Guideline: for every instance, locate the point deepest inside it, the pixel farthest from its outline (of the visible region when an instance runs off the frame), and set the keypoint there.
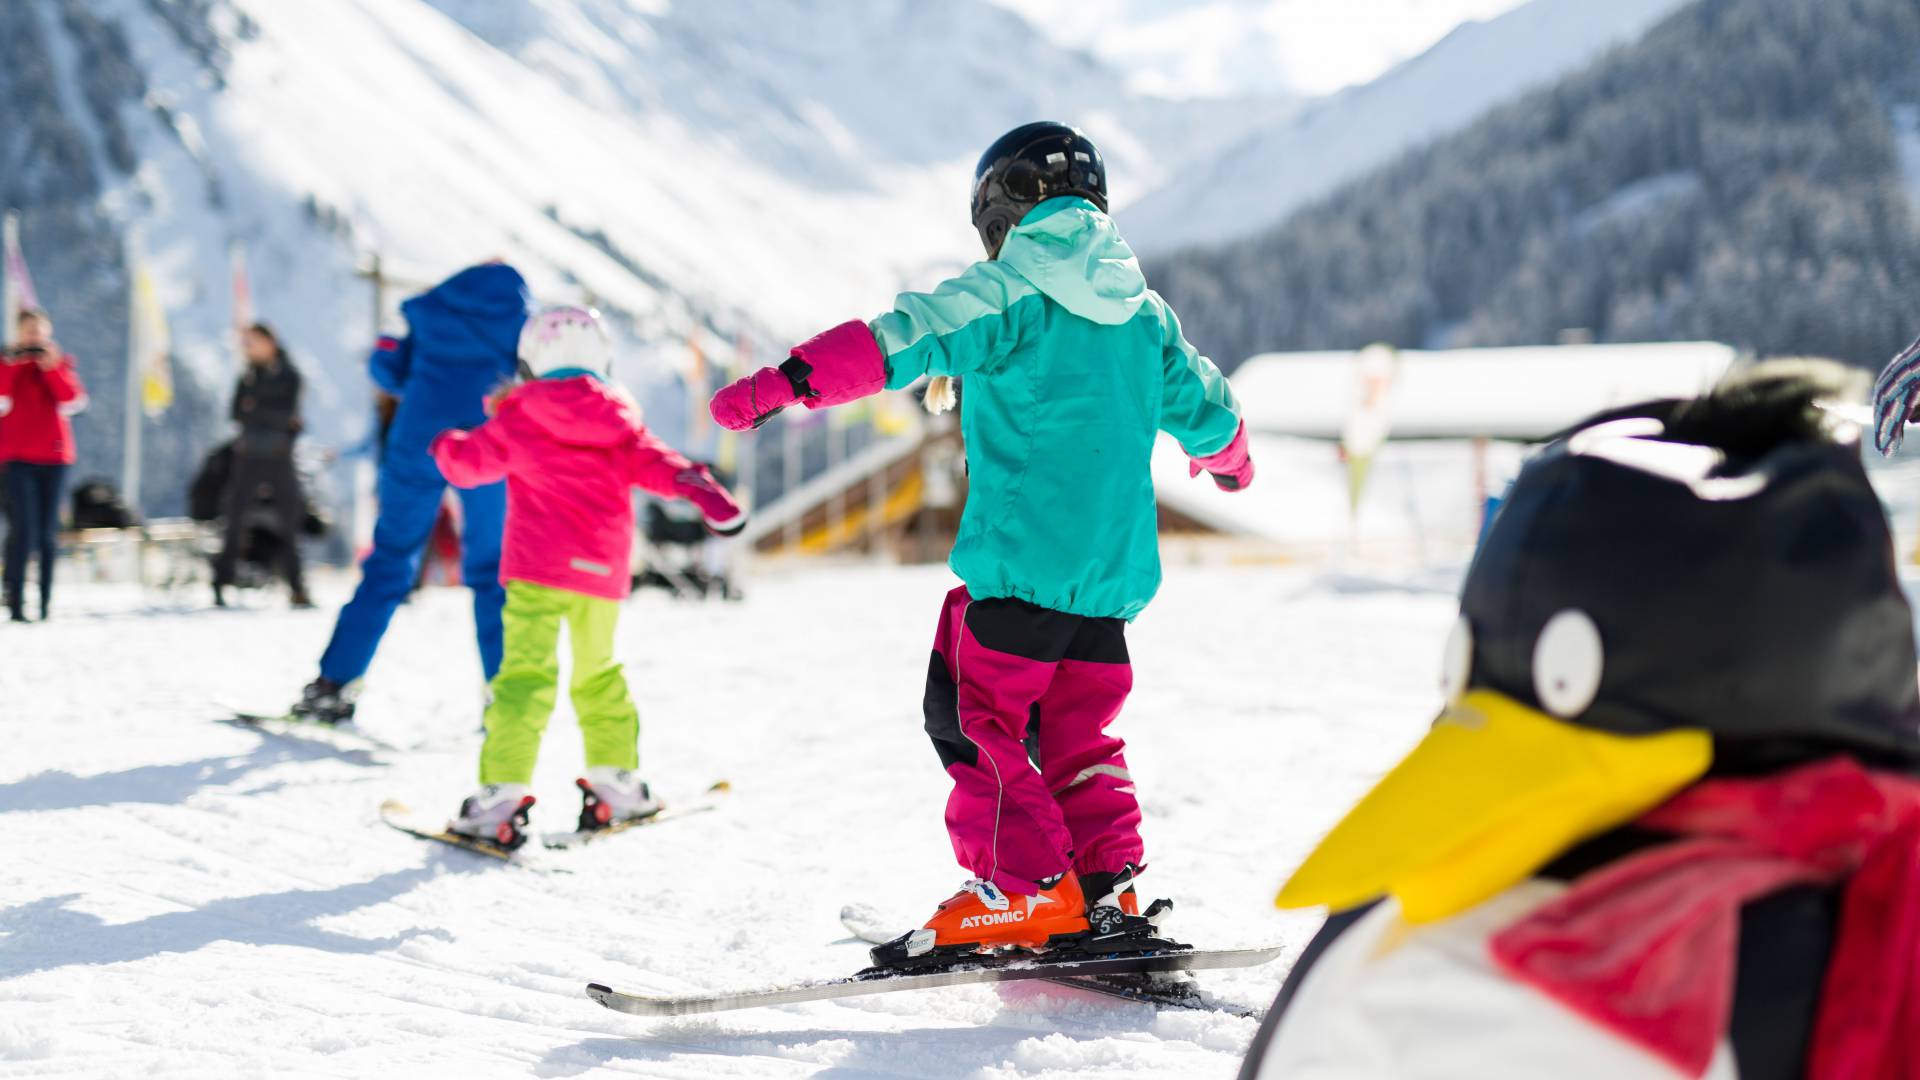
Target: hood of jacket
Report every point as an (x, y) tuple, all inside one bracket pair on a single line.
[(1073, 253), (475, 314), (576, 411)]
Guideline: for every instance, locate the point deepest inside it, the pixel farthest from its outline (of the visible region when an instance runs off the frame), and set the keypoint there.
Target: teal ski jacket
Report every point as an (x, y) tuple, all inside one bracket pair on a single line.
[(1070, 366)]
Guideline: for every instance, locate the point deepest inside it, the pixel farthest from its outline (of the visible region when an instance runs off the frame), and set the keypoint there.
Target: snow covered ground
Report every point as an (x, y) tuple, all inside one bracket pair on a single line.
[(182, 897)]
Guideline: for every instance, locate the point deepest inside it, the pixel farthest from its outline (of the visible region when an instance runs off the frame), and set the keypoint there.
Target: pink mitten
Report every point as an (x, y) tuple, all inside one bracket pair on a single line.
[(1232, 468), (754, 400), (716, 504)]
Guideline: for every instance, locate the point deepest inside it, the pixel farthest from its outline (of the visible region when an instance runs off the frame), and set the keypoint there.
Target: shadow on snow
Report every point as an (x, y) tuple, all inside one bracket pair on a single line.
[(166, 784), (45, 934)]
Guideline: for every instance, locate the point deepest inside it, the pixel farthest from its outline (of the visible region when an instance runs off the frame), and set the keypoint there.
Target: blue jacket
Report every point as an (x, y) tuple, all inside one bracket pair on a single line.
[(463, 342)]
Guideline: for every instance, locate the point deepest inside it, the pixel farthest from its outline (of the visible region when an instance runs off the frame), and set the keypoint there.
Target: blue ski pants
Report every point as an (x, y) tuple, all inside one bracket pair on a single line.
[(408, 507)]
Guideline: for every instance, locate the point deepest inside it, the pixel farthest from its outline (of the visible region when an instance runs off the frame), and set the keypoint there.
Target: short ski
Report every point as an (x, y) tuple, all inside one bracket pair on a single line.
[(1167, 990), (402, 817), (560, 841), (344, 737), (963, 973)]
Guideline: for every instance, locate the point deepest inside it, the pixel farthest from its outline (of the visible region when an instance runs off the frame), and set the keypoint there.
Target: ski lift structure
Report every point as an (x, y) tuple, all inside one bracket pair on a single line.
[(1420, 438)]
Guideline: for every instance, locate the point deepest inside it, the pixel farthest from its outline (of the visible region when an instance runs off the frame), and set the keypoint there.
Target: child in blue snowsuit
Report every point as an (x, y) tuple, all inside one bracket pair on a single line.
[(462, 344)]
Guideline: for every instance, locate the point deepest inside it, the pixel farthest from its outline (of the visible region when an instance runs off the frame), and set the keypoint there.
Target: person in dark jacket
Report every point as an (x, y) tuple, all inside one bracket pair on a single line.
[(1668, 825), (39, 391), (266, 405), (463, 344)]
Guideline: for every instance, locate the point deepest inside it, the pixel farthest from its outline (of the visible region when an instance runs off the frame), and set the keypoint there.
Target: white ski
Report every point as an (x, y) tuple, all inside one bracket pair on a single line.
[(560, 841), (966, 973)]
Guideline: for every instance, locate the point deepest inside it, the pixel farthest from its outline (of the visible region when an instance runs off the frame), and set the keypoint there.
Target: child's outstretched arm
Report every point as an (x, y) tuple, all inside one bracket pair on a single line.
[(1198, 409), (969, 323), (661, 470), (474, 458), (391, 362)]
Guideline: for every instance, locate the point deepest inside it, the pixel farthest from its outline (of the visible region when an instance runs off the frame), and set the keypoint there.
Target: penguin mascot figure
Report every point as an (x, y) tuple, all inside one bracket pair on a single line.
[(1668, 824)]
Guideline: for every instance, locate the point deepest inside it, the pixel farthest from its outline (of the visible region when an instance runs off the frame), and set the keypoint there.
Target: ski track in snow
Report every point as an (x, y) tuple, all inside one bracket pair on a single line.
[(188, 898)]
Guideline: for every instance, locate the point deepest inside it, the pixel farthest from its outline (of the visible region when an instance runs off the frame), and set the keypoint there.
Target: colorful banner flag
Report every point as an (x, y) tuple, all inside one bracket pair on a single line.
[(894, 415), (1375, 370), (19, 283), (152, 344), (695, 379), (242, 302), (727, 454)]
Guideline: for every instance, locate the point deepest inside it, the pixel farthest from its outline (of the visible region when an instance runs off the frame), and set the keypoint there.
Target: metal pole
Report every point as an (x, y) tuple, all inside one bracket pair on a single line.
[(10, 243), (837, 500), (379, 294), (130, 438), (876, 510), (1480, 491), (791, 447)]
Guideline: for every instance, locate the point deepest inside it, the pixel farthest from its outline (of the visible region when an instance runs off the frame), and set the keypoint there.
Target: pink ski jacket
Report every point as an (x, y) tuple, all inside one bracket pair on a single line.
[(571, 449)]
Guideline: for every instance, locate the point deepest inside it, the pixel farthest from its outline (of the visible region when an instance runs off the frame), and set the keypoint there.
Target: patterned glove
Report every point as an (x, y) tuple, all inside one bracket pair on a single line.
[(1896, 394)]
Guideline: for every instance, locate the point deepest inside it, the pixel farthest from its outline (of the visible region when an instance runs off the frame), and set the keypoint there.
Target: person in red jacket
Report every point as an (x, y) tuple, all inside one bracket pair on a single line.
[(39, 391)]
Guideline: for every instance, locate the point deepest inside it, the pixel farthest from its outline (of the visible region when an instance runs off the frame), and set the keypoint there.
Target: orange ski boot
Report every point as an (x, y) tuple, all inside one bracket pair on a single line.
[(982, 919)]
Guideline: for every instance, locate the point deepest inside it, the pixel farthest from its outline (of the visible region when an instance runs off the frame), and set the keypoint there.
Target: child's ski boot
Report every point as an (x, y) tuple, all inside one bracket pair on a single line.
[(496, 814), (609, 796), (1111, 901), (980, 919), (324, 701)]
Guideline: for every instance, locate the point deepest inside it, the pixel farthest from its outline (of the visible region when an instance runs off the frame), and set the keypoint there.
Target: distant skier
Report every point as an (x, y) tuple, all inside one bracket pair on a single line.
[(1668, 824), (571, 448), (461, 345), (1070, 365)]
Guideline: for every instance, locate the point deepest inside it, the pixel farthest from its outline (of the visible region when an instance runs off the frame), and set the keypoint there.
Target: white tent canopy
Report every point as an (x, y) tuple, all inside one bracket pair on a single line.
[(1524, 394)]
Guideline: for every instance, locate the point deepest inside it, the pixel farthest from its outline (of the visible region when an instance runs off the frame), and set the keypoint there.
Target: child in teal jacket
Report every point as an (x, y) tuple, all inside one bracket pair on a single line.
[(1071, 365)]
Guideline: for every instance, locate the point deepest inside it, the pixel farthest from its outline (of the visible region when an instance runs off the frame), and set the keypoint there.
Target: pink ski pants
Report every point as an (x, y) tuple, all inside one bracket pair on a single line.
[(1018, 702)]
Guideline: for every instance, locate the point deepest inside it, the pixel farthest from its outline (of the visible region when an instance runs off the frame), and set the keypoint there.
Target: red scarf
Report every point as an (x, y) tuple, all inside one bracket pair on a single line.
[(1645, 947)]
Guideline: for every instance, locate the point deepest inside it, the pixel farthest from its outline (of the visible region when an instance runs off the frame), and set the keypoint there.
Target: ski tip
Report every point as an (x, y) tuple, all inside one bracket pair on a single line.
[(394, 806), (602, 995), (720, 787)]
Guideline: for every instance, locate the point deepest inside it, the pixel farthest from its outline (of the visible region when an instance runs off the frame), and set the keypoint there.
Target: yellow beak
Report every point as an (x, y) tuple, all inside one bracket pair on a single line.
[(1494, 792)]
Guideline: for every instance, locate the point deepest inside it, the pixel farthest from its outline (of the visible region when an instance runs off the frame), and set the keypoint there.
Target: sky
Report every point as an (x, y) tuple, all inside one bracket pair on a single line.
[(1210, 48)]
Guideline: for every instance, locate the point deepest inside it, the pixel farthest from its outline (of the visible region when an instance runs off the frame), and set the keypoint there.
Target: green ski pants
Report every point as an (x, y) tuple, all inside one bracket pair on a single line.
[(529, 680)]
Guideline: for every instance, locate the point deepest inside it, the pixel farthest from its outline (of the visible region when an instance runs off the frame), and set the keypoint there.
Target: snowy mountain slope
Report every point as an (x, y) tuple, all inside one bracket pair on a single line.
[(749, 167), (1198, 48), (188, 899), (1256, 182)]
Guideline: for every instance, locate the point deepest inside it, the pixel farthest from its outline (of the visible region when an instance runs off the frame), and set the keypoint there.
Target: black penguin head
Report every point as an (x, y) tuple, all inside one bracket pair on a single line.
[(1719, 564)]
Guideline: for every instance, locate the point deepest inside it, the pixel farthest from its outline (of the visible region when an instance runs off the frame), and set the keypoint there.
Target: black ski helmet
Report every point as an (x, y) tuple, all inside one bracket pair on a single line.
[(1026, 167), (1726, 566)]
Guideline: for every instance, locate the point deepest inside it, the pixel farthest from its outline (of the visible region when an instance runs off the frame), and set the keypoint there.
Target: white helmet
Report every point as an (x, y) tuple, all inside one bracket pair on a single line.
[(558, 338)]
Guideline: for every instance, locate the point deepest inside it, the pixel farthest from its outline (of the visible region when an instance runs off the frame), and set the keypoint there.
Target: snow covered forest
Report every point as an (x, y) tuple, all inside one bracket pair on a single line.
[(1745, 173)]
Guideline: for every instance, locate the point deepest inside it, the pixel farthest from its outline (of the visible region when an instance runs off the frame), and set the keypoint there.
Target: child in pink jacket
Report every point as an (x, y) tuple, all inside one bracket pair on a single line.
[(570, 447)]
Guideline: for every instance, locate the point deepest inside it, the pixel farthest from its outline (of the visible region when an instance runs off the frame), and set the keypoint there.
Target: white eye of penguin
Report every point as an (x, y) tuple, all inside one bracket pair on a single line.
[(1457, 664), (1568, 660)]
